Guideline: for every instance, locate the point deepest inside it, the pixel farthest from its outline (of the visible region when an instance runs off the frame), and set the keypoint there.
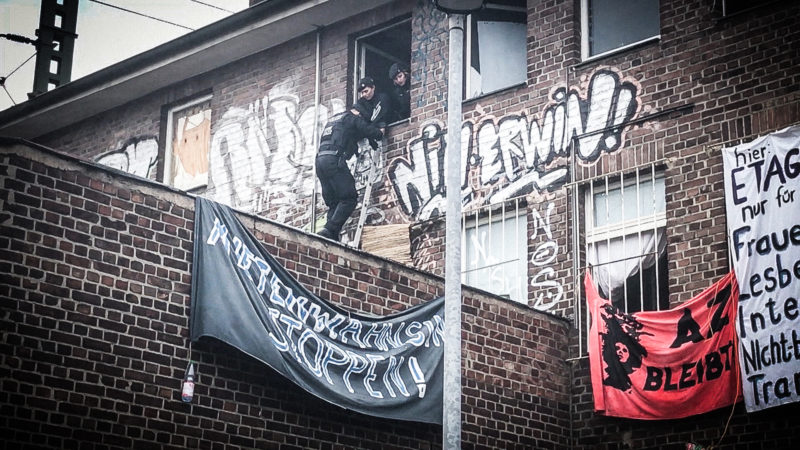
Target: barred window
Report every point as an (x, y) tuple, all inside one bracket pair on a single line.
[(494, 251), (626, 241)]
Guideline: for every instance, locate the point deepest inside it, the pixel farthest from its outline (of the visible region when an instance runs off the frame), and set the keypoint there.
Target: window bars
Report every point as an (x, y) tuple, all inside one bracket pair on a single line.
[(623, 241)]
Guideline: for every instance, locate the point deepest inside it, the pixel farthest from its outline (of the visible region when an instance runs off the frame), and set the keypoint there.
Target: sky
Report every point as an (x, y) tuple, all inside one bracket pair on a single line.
[(106, 35)]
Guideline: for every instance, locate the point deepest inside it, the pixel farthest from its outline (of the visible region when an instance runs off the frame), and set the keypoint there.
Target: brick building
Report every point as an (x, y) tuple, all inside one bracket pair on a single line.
[(585, 144)]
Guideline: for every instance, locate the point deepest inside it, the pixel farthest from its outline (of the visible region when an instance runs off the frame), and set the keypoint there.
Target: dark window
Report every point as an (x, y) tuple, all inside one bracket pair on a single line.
[(608, 25), (378, 50)]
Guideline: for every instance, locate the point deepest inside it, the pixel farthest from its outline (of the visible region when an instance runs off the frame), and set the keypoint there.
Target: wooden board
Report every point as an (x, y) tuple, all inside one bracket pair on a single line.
[(389, 241)]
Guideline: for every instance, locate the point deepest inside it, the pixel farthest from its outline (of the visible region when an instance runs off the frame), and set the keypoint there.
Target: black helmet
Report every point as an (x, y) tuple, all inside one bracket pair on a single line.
[(365, 82)]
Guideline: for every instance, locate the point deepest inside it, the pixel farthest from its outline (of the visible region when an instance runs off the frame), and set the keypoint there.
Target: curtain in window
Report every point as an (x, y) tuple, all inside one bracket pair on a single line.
[(614, 260)]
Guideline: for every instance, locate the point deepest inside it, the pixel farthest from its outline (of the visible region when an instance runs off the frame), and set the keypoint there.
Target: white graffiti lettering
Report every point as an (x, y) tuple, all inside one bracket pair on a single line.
[(138, 156), (262, 156), (546, 290), (516, 154)]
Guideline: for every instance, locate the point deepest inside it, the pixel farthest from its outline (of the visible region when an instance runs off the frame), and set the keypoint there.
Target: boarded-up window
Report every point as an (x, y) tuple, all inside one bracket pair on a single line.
[(188, 142)]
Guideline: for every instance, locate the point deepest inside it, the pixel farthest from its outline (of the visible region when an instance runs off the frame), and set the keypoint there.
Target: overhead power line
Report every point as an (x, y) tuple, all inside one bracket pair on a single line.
[(18, 67), (3, 79), (212, 6), (18, 38), (2, 83), (142, 14)]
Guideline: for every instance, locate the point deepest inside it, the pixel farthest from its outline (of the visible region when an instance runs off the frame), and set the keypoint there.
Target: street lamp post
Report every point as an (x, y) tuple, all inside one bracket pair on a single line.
[(451, 407)]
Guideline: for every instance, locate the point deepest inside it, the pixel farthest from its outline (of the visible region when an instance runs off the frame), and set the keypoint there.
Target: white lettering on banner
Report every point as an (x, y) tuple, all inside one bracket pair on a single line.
[(297, 322), (761, 181)]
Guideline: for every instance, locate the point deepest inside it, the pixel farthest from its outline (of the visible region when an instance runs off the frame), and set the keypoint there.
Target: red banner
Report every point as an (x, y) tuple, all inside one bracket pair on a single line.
[(665, 364)]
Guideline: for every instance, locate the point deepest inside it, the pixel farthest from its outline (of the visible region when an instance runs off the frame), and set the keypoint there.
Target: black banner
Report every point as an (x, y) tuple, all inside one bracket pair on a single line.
[(382, 366)]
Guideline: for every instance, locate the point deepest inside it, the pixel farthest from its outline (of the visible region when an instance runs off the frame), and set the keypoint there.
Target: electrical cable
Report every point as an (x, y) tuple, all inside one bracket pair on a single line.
[(3, 79), (142, 14), (8, 93), (212, 6), (19, 66)]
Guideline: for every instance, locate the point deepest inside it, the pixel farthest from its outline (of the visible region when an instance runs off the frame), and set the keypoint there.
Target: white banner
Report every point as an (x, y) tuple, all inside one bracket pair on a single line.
[(762, 198)]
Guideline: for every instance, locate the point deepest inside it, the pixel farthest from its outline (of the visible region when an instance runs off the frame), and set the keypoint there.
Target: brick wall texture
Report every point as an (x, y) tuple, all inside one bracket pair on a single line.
[(704, 83), (95, 308)]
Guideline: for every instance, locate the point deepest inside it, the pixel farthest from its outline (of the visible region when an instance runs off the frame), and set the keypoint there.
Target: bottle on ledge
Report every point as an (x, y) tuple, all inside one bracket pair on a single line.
[(187, 389)]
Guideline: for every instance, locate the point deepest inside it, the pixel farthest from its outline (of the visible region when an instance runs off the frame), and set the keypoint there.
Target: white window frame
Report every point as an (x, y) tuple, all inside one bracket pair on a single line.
[(631, 227), (468, 44), (484, 223), (585, 44), (167, 177)]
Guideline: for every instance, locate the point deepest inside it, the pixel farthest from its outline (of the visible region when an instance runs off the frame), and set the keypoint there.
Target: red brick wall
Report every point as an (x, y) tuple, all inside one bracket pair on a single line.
[(740, 77), (706, 83), (95, 298)]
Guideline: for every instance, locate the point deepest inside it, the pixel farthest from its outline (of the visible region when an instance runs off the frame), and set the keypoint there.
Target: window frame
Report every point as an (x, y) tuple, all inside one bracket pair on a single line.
[(585, 35), (171, 111), (382, 82), (493, 217), (623, 228), (469, 45)]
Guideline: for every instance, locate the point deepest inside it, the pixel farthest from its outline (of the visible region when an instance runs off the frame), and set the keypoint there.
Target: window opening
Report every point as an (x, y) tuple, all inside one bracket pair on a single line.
[(626, 240), (187, 144), (610, 25), (495, 47), (377, 51), (494, 256)]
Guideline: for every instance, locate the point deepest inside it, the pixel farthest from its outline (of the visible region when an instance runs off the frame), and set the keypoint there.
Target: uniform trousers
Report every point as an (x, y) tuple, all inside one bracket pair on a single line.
[(338, 189)]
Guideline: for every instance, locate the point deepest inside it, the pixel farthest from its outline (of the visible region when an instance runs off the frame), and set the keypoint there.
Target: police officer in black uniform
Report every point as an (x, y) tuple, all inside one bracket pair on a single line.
[(377, 104), (399, 96), (339, 142)]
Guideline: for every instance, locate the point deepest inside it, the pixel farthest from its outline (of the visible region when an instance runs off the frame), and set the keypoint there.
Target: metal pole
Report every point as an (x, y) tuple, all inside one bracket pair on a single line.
[(314, 142), (451, 408)]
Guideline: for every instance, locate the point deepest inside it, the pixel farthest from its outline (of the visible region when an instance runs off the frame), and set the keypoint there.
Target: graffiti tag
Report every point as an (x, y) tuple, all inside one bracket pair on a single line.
[(516, 154)]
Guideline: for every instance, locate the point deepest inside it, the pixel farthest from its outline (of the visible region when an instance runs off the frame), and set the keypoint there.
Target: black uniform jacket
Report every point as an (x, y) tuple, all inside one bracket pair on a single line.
[(343, 132)]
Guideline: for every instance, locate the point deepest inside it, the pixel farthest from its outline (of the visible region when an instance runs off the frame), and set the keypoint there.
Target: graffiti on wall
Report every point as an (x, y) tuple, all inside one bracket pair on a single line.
[(137, 156), (430, 50), (546, 290), (515, 154), (262, 156)]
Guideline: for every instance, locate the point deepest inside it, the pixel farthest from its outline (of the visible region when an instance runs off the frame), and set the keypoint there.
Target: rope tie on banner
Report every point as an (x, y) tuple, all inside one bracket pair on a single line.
[(738, 374)]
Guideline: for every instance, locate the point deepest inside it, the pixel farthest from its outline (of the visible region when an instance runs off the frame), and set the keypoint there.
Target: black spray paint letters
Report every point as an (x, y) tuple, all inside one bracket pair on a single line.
[(766, 173), (708, 368)]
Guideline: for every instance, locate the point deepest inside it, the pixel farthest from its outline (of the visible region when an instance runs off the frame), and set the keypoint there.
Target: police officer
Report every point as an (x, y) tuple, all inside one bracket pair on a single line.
[(339, 142), (377, 104), (400, 99)]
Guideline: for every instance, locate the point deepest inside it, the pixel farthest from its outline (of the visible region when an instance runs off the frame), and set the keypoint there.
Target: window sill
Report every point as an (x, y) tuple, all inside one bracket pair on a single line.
[(398, 122), (489, 94), (618, 51)]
